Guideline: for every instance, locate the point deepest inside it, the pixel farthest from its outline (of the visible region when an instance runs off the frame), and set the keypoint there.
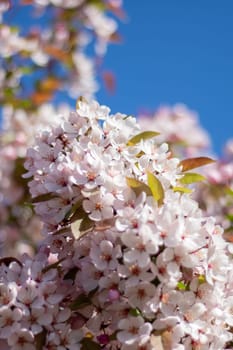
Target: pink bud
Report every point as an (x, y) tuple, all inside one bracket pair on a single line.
[(103, 339), (113, 294)]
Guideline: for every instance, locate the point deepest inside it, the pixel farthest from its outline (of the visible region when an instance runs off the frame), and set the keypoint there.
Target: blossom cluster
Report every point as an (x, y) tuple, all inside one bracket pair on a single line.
[(180, 127), (131, 254), (216, 197), (31, 57), (32, 306), (17, 219)]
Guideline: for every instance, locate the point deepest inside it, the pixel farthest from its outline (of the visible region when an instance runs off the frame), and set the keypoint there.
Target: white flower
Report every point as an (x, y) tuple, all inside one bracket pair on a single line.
[(104, 256), (167, 272), (134, 331), (88, 276), (229, 309), (217, 264), (67, 338), (135, 273), (140, 295), (40, 317), (99, 206), (9, 321), (22, 339), (28, 294), (8, 293)]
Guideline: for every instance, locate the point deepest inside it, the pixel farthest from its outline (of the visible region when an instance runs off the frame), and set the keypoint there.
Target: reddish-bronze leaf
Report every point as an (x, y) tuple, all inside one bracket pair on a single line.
[(40, 97), (115, 38), (50, 84), (26, 2), (228, 236), (57, 53), (192, 163), (109, 81), (117, 11)]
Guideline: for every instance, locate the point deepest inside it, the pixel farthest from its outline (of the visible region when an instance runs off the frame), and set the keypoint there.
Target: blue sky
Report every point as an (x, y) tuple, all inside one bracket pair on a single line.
[(176, 51)]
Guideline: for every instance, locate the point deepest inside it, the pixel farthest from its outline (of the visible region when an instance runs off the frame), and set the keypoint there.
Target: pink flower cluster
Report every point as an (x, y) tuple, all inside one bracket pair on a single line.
[(133, 255), (32, 306), (17, 219), (180, 127), (216, 197), (37, 63)]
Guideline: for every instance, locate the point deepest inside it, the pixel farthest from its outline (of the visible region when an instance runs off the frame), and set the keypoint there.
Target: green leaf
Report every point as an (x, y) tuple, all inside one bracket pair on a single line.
[(82, 226), (229, 191), (201, 279), (8, 93), (135, 312), (192, 163), (145, 135), (61, 231), (98, 3), (26, 70), (83, 300), (71, 274), (52, 266), (19, 170), (156, 282), (17, 103), (75, 212), (139, 155), (229, 217), (113, 336), (80, 100), (86, 224), (80, 302), (134, 183), (44, 197), (181, 286), (138, 186), (156, 188), (182, 189), (190, 178), (89, 344)]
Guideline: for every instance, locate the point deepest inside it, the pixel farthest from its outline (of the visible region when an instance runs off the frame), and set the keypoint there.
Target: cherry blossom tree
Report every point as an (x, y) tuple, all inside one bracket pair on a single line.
[(110, 238)]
